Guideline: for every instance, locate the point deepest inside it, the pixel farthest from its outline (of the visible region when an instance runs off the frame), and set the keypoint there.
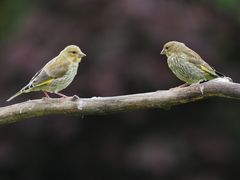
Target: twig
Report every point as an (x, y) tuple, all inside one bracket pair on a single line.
[(104, 105)]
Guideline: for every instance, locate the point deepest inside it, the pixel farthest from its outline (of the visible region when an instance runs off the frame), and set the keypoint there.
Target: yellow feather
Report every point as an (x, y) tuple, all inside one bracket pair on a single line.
[(206, 70), (44, 83)]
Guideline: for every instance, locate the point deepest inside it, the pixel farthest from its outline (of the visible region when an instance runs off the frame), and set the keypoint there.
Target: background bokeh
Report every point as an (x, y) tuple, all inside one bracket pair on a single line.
[(122, 40)]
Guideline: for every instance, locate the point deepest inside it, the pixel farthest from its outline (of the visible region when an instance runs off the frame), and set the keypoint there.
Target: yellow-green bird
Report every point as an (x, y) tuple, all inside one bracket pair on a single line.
[(57, 74), (187, 65)]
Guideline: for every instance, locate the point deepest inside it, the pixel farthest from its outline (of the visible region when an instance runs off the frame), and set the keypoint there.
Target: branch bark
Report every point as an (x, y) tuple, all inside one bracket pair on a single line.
[(104, 105)]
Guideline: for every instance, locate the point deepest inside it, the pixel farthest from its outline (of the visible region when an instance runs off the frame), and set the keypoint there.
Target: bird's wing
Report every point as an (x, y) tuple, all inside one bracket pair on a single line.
[(56, 68), (40, 78), (195, 59)]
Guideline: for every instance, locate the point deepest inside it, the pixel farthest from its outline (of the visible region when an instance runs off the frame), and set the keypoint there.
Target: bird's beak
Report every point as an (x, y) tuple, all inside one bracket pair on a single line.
[(82, 55), (163, 51)]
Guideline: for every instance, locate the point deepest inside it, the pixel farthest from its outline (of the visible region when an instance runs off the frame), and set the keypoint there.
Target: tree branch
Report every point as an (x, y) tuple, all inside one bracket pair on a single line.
[(104, 105)]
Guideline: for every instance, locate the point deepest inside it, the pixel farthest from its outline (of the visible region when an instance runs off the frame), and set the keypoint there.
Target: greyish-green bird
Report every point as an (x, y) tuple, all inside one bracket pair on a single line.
[(187, 65), (57, 74)]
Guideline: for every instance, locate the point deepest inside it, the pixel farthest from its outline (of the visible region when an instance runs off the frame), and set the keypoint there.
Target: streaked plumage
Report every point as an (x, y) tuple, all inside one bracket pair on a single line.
[(187, 65), (57, 74)]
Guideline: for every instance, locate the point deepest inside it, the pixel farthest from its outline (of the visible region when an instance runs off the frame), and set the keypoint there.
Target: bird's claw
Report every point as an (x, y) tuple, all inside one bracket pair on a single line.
[(45, 98), (201, 87)]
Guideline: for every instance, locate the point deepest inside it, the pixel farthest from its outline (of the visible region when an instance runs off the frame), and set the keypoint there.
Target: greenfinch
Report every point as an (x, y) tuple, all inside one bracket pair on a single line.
[(187, 65), (57, 74)]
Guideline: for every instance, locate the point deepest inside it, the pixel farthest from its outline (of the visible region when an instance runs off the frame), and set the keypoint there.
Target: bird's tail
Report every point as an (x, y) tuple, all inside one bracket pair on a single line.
[(23, 90), (220, 74)]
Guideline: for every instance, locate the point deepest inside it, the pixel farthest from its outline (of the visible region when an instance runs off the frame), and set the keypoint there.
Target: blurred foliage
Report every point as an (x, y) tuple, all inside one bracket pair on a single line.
[(231, 7), (11, 16), (227, 4), (122, 40)]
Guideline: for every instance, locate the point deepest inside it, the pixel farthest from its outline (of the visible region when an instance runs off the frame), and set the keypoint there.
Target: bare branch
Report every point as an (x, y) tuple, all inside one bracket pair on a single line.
[(104, 105)]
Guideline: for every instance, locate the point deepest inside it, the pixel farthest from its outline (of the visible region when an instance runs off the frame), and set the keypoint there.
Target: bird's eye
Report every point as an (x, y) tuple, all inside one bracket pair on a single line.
[(73, 52), (166, 48)]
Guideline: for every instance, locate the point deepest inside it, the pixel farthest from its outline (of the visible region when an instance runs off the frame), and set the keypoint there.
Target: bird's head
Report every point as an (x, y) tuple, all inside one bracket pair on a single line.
[(172, 47), (73, 52)]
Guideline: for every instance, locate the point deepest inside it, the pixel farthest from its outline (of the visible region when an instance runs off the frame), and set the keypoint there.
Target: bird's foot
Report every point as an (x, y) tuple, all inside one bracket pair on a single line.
[(47, 97), (197, 83), (46, 94), (62, 95), (201, 86)]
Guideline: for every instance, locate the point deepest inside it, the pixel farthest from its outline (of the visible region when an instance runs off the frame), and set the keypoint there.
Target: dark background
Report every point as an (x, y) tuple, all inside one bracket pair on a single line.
[(122, 40)]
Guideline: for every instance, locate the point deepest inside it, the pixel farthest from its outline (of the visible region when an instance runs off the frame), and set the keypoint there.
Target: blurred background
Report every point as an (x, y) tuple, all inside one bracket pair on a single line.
[(122, 40)]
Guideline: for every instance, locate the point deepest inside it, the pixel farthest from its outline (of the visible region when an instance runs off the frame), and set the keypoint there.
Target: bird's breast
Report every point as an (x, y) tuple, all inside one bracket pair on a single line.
[(61, 83)]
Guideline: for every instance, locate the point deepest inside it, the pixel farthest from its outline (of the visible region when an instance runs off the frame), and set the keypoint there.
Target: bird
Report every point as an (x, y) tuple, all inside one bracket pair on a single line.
[(187, 65), (56, 75)]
